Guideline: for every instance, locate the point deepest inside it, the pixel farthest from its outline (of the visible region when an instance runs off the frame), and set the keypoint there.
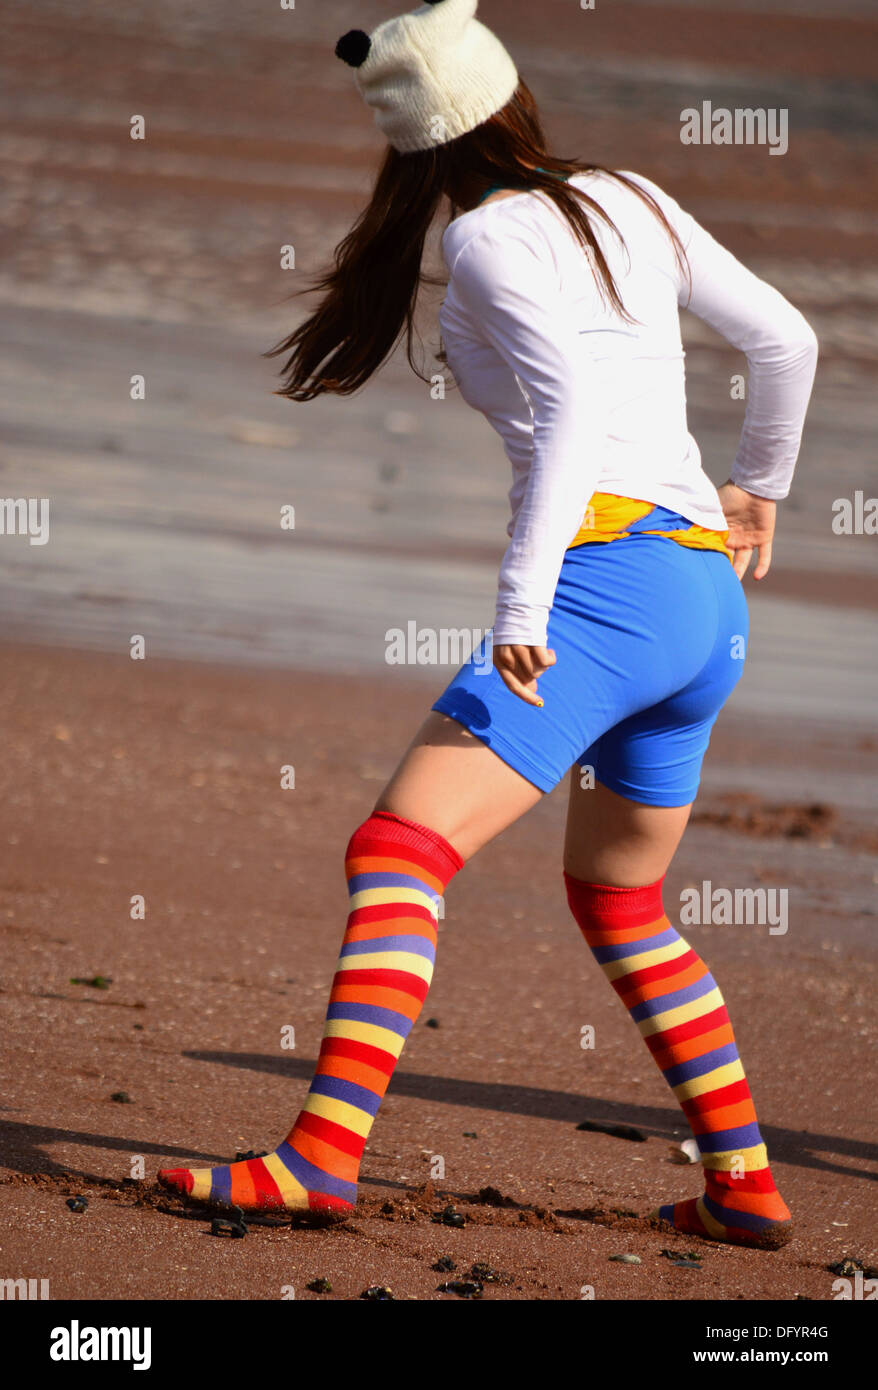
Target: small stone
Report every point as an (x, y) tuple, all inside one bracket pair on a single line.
[(96, 981), (320, 1285), (220, 1227), (432, 1023), (846, 1266), (449, 1216), (470, 1134), (444, 1265), (687, 1264), (484, 1274), (378, 1293), (687, 1152), (464, 1288), (77, 1203), (232, 1225), (626, 1259), (121, 1098)]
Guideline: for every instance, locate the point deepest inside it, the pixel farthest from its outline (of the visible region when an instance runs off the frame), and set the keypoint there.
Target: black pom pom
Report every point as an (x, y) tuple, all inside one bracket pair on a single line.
[(353, 48)]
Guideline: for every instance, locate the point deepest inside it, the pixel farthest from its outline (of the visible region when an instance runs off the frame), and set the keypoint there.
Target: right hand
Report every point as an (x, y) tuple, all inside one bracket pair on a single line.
[(751, 522), (521, 667)]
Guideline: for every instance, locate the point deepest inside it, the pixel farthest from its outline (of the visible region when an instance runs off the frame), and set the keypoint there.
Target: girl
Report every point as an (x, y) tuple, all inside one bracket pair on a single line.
[(621, 621)]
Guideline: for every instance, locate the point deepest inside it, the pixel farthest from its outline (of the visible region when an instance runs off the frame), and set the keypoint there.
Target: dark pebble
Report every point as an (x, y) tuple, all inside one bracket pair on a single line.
[(96, 981), (432, 1023), (378, 1293), (319, 1286), (846, 1266), (121, 1098), (464, 1288), (449, 1216), (225, 1226), (687, 1264), (470, 1134), (77, 1203), (444, 1265)]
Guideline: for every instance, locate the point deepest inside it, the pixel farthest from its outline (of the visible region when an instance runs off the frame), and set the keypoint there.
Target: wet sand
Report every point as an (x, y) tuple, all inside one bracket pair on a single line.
[(162, 779)]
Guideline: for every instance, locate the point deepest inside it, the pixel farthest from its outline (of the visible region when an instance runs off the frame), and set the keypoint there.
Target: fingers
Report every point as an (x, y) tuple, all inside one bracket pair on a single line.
[(520, 667), (764, 563), (744, 554), (742, 560), (513, 683), (543, 657)]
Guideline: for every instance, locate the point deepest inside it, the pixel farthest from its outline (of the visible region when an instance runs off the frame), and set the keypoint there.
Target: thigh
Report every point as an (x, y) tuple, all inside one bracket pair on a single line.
[(453, 783), (613, 840)]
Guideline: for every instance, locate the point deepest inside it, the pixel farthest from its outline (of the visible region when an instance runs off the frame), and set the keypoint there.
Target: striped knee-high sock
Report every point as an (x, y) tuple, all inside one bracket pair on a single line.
[(397, 871), (675, 1002)]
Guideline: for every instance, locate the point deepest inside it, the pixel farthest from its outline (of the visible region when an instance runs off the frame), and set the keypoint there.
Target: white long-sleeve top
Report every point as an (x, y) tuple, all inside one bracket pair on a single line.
[(585, 401)]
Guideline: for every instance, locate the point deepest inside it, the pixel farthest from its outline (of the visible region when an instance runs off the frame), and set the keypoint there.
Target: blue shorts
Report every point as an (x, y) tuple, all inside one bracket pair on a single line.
[(649, 638)]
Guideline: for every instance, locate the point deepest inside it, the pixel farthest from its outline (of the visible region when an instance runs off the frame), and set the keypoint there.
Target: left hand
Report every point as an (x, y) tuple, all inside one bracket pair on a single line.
[(521, 667), (750, 520)]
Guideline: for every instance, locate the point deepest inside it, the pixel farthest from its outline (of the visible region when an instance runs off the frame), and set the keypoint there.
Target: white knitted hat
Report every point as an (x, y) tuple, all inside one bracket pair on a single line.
[(432, 74)]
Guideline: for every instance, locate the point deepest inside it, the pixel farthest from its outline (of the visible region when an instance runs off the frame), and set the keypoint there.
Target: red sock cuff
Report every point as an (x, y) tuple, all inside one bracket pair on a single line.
[(384, 826), (621, 907)]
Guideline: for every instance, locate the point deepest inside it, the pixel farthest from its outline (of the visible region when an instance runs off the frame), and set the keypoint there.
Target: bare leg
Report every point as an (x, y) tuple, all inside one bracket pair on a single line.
[(615, 841), (456, 785)]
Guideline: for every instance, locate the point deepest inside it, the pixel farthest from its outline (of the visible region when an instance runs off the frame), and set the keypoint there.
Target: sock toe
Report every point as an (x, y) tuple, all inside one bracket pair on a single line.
[(686, 1219), (176, 1180)]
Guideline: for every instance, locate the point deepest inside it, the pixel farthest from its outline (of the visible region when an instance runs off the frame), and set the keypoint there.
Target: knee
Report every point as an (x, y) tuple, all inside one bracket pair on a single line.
[(385, 835)]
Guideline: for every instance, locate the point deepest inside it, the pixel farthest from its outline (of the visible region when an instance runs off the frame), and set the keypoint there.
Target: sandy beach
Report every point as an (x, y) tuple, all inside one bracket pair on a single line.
[(162, 779)]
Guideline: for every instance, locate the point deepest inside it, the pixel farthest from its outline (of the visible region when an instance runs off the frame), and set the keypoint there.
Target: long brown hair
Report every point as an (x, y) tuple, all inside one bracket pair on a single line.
[(371, 292)]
